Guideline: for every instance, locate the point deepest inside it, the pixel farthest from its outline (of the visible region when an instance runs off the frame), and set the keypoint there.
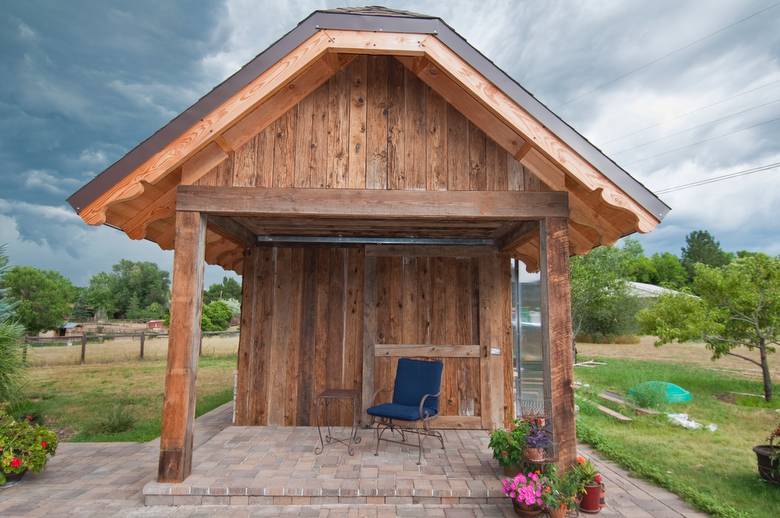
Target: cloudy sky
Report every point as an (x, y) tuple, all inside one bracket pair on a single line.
[(675, 91)]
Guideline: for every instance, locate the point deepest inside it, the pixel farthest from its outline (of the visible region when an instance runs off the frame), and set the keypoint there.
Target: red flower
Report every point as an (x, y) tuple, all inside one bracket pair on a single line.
[(44, 444), (580, 459), (15, 462), (597, 479)]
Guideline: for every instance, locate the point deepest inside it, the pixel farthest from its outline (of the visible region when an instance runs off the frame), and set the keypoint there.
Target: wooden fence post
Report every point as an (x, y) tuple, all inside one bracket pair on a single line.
[(143, 339), (83, 348)]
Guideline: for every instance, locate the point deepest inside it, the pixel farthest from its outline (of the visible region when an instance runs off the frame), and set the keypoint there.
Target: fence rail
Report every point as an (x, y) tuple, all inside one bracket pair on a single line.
[(84, 339)]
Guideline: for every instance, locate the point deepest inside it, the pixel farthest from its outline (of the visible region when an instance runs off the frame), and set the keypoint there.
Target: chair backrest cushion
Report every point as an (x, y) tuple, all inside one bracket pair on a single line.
[(414, 379)]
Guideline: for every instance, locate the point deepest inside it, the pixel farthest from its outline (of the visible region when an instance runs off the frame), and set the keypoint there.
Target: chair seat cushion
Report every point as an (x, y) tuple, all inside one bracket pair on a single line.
[(402, 412)]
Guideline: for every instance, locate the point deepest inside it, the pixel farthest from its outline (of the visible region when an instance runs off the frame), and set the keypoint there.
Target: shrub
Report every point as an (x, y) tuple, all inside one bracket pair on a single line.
[(24, 446), (216, 316), (648, 395), (117, 420)]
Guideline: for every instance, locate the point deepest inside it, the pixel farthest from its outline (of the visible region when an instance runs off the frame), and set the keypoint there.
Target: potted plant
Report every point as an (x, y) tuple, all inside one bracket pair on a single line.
[(560, 493), (768, 456), (508, 446), (537, 440), (23, 446), (525, 490), (592, 486)]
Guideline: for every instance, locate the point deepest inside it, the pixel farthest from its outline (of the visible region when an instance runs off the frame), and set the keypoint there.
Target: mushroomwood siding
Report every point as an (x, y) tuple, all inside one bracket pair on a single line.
[(373, 125), (303, 311)]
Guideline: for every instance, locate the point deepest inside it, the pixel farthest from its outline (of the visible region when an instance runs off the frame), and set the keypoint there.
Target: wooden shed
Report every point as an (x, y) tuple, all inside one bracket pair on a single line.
[(371, 176)]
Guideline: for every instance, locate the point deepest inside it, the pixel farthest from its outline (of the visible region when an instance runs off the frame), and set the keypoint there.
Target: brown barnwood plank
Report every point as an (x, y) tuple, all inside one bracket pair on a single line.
[(284, 149), (436, 141), (369, 335), (232, 230), (556, 331), (353, 327), (338, 130), (356, 178), (396, 110), (457, 150), (428, 251), (427, 350), (356, 203), (518, 235), (414, 133), (376, 123), (280, 332), (178, 415), (246, 340), (477, 172), (292, 347), (490, 332)]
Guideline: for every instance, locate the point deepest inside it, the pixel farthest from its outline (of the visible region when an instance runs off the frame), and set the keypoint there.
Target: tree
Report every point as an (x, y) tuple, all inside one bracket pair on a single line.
[(215, 316), (738, 305), (601, 303), (701, 248), (10, 337), (229, 288), (635, 265), (669, 271), (129, 290), (43, 297)]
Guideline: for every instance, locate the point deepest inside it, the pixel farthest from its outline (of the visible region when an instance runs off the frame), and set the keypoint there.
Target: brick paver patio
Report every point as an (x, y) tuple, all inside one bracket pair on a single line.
[(106, 479)]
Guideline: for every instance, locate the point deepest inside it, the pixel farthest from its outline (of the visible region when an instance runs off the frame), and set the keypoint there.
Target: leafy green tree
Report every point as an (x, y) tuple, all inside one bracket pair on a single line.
[(601, 303), (738, 305), (81, 309), (11, 366), (229, 288), (215, 316), (636, 266), (43, 297), (669, 271), (130, 288), (702, 248)]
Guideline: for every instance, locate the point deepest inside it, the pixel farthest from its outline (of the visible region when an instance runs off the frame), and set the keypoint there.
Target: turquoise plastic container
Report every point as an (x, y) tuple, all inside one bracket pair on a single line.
[(672, 393)]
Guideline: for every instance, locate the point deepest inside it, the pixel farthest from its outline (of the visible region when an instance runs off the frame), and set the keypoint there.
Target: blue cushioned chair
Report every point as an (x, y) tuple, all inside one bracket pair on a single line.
[(415, 403)]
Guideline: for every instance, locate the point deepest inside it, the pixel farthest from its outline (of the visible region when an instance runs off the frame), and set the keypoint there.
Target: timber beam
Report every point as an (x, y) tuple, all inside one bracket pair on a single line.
[(371, 204)]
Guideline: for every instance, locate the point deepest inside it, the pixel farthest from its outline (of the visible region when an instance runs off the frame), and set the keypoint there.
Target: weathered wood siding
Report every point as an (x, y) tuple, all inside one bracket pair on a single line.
[(373, 125)]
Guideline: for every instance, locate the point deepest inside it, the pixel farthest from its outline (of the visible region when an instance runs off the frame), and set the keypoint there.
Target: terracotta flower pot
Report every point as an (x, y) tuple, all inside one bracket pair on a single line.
[(560, 512), (534, 454), (524, 510), (511, 470), (593, 499)]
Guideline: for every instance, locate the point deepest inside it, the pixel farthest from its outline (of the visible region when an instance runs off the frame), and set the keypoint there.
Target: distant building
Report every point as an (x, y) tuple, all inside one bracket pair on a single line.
[(156, 325), (648, 291), (70, 329)]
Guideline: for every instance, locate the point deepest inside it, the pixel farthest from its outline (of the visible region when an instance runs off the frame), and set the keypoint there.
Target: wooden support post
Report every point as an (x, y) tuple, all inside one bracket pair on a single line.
[(557, 331), (369, 336), (246, 414), (492, 338), (83, 349), (143, 339), (183, 339)]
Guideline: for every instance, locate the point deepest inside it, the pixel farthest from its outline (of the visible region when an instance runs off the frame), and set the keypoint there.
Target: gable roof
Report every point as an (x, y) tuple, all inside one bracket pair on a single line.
[(371, 19)]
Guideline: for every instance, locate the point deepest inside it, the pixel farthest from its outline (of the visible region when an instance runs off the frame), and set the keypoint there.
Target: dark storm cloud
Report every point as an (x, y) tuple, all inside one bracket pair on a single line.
[(87, 81)]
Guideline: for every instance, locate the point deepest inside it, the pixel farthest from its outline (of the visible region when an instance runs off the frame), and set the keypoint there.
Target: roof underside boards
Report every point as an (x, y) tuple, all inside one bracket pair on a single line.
[(431, 48)]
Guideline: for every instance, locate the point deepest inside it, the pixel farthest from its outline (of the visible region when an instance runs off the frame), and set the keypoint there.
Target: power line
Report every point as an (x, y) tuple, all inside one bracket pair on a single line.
[(691, 112), (661, 58), (705, 140), (713, 121), (728, 176)]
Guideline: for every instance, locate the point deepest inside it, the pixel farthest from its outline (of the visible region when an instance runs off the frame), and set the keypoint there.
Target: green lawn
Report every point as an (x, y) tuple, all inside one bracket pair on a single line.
[(716, 471), (93, 402)]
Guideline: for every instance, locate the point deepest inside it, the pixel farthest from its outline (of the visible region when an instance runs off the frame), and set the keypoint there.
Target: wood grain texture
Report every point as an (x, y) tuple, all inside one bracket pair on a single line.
[(557, 333), (178, 415)]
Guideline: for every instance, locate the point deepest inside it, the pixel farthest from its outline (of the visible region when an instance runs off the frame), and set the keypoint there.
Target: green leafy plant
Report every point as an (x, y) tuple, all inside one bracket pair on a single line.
[(24, 446), (561, 491), (585, 472), (508, 446), (648, 396), (116, 420)]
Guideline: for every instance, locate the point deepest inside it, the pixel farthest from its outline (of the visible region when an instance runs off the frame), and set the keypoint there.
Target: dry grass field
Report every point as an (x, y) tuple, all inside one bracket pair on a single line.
[(122, 350), (688, 354)]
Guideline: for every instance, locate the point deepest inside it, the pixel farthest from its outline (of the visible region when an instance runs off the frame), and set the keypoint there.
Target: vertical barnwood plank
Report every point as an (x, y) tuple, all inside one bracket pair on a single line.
[(476, 363), (184, 336), (246, 339), (285, 150), (303, 141), (557, 331), (322, 324), (279, 337), (452, 327), (409, 308), (516, 174), (264, 174), (318, 161), (382, 317), (468, 388), (490, 331), (436, 141), (477, 173), (457, 150), (395, 303), (507, 357), (532, 183), (292, 346), (245, 163), (424, 299), (495, 166), (306, 356), (264, 315), (335, 343), (396, 175), (370, 308), (357, 123), (415, 129), (376, 123), (354, 323), (338, 130)]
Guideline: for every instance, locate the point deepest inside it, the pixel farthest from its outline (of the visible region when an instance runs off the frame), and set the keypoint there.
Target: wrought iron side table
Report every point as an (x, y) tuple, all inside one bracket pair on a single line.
[(323, 400)]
